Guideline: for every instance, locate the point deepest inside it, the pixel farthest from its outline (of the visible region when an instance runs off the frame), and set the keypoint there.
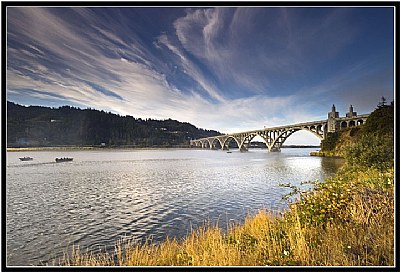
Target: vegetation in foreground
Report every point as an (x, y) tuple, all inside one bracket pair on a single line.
[(346, 220)]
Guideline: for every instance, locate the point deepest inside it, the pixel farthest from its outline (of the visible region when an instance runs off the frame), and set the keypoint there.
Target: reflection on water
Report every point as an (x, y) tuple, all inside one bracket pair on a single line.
[(103, 195)]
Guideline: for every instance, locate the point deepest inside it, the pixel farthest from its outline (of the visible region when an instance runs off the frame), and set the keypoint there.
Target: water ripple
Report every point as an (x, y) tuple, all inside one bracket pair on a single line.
[(104, 195)]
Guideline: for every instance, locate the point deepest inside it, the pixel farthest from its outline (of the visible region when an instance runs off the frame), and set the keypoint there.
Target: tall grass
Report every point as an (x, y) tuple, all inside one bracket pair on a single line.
[(360, 233)]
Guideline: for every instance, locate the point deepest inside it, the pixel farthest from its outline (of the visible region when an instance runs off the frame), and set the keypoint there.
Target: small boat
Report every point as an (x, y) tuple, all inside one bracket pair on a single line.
[(228, 151), (26, 159), (63, 159)]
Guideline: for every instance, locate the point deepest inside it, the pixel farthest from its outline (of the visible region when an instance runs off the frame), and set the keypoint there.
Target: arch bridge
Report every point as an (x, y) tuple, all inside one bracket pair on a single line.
[(275, 137)]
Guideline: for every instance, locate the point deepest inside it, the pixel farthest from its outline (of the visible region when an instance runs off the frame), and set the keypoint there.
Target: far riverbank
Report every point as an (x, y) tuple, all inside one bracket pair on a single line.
[(86, 148)]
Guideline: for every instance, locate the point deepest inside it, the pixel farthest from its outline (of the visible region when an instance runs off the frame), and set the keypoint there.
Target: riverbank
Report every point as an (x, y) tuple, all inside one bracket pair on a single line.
[(77, 148), (346, 220), (317, 154), (321, 153), (85, 148)]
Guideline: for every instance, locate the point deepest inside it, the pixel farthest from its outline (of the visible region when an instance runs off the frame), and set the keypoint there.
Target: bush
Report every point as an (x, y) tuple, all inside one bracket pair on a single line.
[(381, 121), (371, 150), (329, 143), (330, 200), (375, 146)]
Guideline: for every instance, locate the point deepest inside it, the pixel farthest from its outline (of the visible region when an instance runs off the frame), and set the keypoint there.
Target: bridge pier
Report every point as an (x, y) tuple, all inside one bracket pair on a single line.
[(243, 148), (224, 142), (274, 149)]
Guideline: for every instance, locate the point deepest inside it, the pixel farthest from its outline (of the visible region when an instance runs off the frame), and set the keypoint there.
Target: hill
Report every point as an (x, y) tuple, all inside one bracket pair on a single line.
[(378, 132), (43, 126)]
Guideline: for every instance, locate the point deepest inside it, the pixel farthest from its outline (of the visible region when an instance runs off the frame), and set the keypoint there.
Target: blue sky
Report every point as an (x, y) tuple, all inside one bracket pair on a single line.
[(228, 69)]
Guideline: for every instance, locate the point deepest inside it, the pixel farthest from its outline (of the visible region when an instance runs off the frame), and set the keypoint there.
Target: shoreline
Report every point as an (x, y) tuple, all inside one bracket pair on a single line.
[(324, 154), (85, 148)]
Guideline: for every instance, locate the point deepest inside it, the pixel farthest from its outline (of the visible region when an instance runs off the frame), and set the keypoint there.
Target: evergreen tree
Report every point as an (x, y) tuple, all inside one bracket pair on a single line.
[(41, 126), (382, 103)]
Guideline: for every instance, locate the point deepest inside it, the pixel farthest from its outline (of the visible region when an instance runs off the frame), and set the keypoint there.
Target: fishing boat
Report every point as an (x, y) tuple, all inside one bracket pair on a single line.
[(63, 159), (26, 159)]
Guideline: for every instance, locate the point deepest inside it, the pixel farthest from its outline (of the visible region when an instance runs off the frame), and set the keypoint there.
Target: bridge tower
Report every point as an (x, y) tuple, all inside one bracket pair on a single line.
[(351, 113), (332, 116)]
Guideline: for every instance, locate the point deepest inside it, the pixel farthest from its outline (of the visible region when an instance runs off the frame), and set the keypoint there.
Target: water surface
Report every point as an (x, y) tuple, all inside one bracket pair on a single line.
[(103, 195)]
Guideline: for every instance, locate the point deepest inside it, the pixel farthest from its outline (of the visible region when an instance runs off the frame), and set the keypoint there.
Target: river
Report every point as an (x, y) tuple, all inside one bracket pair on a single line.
[(104, 195)]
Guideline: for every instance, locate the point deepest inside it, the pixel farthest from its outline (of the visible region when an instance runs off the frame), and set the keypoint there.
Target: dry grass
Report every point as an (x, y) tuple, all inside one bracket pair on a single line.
[(269, 239)]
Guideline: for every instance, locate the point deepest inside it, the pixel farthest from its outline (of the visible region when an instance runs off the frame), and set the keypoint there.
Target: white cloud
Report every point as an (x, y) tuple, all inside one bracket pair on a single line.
[(140, 78), (192, 70)]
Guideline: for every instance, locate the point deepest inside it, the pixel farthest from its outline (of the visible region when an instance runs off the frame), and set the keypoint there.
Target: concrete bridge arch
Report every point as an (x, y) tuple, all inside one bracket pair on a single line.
[(276, 136), (226, 140)]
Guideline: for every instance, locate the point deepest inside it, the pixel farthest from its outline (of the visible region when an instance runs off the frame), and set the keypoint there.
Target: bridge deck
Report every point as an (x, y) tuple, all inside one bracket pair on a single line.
[(274, 137), (313, 123)]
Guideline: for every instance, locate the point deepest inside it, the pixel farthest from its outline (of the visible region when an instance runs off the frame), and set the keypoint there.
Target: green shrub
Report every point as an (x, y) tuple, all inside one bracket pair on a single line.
[(371, 150), (325, 202), (375, 146), (380, 121), (330, 200), (329, 143)]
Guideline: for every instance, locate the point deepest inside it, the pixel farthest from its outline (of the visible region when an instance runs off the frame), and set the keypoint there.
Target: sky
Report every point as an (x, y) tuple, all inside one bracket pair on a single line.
[(229, 69)]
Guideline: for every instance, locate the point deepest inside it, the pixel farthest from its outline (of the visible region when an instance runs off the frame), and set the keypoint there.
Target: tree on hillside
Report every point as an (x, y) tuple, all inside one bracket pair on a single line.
[(375, 146), (382, 103), (66, 125)]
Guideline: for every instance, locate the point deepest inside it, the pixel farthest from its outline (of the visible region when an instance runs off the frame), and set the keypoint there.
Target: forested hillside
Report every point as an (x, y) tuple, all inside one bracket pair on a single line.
[(378, 133), (44, 126)]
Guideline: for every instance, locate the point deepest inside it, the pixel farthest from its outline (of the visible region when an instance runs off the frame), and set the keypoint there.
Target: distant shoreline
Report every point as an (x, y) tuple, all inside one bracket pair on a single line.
[(78, 148), (301, 146), (83, 148)]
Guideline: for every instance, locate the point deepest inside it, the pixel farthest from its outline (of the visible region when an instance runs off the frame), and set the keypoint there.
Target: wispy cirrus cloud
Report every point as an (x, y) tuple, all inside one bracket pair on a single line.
[(192, 70), (227, 42), (205, 33), (228, 69), (256, 48)]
